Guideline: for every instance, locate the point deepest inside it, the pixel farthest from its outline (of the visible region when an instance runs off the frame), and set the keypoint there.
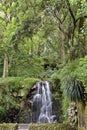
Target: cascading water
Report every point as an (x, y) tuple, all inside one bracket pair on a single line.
[(42, 104)]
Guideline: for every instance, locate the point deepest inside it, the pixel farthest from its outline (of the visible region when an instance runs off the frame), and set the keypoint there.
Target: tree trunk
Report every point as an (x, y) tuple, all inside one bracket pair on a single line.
[(5, 67), (82, 39), (72, 53), (84, 46), (81, 114), (62, 49), (72, 114)]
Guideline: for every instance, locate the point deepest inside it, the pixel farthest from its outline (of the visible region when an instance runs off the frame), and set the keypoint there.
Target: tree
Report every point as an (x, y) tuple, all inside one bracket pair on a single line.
[(17, 26), (75, 91)]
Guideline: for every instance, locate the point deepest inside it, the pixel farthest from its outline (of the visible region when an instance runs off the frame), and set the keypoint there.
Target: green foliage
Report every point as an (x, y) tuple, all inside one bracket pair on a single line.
[(38, 126), (81, 128), (73, 82), (25, 66), (51, 127), (8, 126), (68, 69), (73, 89), (65, 105), (13, 90), (76, 68), (81, 70), (2, 111), (14, 84), (30, 31)]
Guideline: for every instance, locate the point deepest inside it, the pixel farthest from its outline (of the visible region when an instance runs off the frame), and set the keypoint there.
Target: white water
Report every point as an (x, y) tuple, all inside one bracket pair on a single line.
[(43, 102)]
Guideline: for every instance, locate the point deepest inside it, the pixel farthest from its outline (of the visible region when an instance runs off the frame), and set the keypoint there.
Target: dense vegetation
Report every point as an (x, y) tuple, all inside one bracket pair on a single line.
[(51, 127), (43, 40), (8, 126)]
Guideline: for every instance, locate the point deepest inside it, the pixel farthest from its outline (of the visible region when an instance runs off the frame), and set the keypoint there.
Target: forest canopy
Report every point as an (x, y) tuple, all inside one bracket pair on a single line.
[(38, 32)]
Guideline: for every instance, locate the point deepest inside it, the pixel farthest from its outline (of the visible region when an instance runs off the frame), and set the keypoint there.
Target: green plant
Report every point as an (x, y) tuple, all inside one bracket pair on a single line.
[(74, 89), (75, 92), (54, 126), (9, 126), (13, 91)]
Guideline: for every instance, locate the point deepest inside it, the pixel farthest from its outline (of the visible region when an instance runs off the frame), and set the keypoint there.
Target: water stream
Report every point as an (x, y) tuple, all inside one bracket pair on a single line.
[(42, 104)]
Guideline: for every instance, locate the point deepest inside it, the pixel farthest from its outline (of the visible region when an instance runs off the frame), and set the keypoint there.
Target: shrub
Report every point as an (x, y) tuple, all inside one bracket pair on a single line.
[(49, 126), (13, 91), (8, 126)]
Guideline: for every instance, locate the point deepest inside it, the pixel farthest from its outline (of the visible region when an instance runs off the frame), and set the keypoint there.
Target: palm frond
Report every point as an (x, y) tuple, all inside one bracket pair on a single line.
[(74, 89)]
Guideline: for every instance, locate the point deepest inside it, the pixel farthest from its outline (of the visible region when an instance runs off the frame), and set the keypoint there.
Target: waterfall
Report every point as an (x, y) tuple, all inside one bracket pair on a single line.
[(42, 104)]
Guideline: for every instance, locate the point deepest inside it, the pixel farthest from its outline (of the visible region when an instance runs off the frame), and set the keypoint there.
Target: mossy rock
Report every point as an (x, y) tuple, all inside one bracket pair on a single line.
[(80, 128), (52, 126), (9, 126), (13, 91)]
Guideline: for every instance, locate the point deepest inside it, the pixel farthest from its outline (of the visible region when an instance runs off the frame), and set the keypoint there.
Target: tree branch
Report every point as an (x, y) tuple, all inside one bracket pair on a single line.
[(64, 17), (80, 18), (56, 15), (62, 30), (71, 12), (60, 23)]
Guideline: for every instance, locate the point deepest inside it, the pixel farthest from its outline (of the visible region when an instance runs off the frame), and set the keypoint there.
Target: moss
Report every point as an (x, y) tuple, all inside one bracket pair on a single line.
[(13, 90), (28, 83), (45, 126), (17, 81), (49, 126), (9, 126), (15, 84), (80, 128)]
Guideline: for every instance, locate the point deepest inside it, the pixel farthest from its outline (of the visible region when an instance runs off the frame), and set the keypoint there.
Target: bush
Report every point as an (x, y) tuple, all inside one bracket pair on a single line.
[(49, 126), (13, 91), (8, 126), (78, 69), (82, 128), (46, 126)]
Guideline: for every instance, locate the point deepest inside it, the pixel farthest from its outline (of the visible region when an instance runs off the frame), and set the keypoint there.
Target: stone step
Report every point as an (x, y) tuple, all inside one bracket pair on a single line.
[(23, 126)]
